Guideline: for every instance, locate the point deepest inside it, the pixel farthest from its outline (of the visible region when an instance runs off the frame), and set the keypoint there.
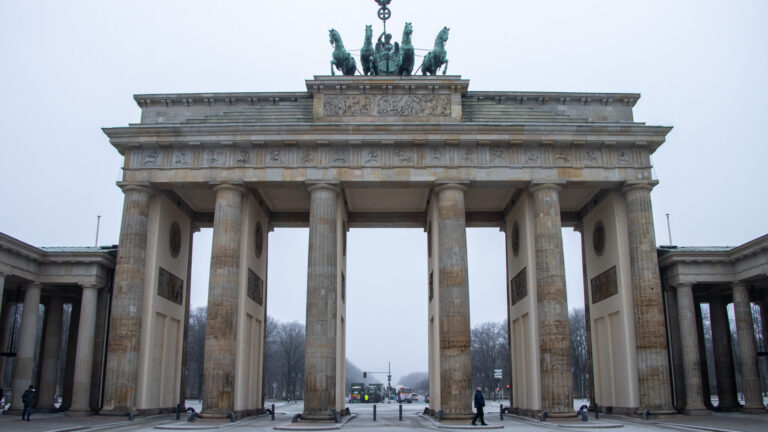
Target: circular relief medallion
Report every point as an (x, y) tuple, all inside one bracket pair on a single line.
[(515, 239), (259, 239), (598, 238), (175, 240)]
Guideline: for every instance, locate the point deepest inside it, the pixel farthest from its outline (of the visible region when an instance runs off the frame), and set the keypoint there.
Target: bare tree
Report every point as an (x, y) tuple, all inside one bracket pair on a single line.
[(577, 324), (195, 353), (290, 354), (489, 348)]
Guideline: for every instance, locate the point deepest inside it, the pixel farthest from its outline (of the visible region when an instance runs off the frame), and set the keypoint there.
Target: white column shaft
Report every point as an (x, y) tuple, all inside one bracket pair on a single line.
[(25, 357), (745, 331), (690, 342), (51, 348), (86, 331)]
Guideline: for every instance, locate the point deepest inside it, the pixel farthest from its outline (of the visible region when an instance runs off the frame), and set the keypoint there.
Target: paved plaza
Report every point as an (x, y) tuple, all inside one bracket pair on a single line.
[(387, 419)]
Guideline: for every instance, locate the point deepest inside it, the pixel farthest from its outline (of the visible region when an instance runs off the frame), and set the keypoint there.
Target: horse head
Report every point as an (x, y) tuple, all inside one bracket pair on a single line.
[(335, 37), (369, 32), (408, 30), (443, 35)]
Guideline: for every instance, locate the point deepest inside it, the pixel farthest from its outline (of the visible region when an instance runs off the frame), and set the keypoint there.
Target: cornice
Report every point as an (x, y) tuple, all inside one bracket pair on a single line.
[(208, 99), (730, 256)]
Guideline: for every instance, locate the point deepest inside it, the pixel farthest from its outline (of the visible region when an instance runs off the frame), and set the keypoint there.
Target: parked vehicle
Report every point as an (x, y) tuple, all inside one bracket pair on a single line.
[(404, 394), (415, 397), (356, 392), (374, 393)]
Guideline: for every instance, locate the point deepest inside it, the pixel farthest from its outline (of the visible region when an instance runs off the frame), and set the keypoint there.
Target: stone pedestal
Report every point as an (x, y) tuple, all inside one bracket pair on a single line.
[(50, 352), (220, 331), (554, 333), (745, 333), (721, 344), (321, 334), (25, 357), (650, 325), (81, 390), (690, 344), (127, 302), (455, 361)]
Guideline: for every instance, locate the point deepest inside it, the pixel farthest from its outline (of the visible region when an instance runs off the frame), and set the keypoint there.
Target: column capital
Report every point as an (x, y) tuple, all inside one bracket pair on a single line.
[(91, 286), (234, 186), (445, 185), (537, 186), (34, 285), (635, 185), (739, 284), (683, 285), (331, 186), (138, 187)]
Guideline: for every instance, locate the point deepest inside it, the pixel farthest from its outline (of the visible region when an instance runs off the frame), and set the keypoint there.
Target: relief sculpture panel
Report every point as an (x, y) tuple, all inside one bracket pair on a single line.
[(386, 105)]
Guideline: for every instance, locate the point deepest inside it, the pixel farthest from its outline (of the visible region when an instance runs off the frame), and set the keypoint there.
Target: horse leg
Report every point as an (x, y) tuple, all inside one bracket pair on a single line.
[(333, 63), (445, 69)]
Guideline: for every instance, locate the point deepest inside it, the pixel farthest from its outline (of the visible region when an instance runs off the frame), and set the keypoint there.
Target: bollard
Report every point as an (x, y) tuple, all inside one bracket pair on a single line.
[(401, 412), (646, 413), (501, 411), (374, 412), (273, 412), (597, 412), (335, 416)]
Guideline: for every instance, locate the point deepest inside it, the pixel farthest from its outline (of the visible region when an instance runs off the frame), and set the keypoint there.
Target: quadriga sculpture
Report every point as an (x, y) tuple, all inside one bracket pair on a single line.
[(437, 57), (406, 51), (341, 58)]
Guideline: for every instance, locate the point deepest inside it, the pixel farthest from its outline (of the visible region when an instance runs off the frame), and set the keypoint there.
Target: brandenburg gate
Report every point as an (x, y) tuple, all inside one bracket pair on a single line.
[(387, 151)]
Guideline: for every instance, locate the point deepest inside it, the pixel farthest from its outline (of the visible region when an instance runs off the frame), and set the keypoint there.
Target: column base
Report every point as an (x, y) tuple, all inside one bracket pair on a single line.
[(119, 412), (753, 410), (658, 412), (697, 412), (222, 415), (728, 408)]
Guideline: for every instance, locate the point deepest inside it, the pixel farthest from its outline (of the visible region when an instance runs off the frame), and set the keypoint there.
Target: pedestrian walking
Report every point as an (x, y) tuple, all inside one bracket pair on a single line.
[(28, 399), (479, 404)]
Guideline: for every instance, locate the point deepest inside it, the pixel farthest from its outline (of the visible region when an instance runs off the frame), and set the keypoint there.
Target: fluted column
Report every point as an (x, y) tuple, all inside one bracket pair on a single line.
[(320, 346), (2, 290), (50, 352), (690, 343), (25, 357), (86, 331), (650, 324), (127, 301), (220, 330), (721, 344), (554, 333), (5, 332), (455, 359), (745, 333)]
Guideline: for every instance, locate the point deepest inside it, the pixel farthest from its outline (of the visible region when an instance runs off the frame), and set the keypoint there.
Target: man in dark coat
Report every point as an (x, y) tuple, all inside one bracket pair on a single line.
[(28, 399), (479, 404)]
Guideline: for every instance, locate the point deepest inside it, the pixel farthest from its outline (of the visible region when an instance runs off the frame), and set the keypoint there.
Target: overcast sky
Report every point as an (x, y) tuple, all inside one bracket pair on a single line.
[(70, 68)]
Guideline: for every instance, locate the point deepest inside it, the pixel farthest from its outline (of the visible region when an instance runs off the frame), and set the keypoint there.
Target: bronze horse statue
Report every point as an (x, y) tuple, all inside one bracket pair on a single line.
[(342, 59), (436, 58), (406, 52), (366, 53)]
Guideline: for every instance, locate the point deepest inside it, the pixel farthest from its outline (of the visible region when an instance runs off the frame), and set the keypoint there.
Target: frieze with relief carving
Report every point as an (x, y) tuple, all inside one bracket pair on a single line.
[(386, 105)]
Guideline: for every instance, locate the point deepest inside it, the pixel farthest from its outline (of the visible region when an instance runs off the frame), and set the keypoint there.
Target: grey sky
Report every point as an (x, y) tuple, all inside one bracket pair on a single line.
[(70, 68)]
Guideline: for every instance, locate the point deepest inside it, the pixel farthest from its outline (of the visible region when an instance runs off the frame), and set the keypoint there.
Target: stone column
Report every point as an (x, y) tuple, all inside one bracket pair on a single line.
[(690, 343), (650, 324), (2, 289), (127, 301), (721, 344), (86, 332), (5, 329), (50, 353), (220, 330), (455, 360), (745, 332), (25, 357), (320, 347), (554, 333)]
